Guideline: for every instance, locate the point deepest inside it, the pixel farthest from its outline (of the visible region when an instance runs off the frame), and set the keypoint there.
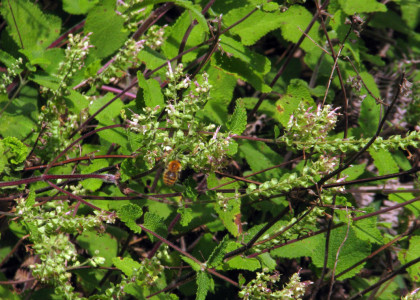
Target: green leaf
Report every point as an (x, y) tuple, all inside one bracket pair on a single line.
[(414, 207), (152, 92), (22, 111), (186, 215), (93, 184), (255, 26), (107, 28), (238, 121), (240, 262), (14, 150), (196, 266), (30, 200), (367, 229), (129, 214), (307, 247), (260, 156), (350, 251), (204, 284), (36, 29), (271, 6), (176, 35), (155, 223), (99, 245), (259, 63), (413, 252), (361, 6), (294, 22), (354, 172), (232, 211), (126, 264), (7, 59), (194, 9), (237, 68), (410, 11), (297, 92), (223, 84), (78, 7), (384, 161), (369, 117), (216, 256), (151, 58), (111, 113)]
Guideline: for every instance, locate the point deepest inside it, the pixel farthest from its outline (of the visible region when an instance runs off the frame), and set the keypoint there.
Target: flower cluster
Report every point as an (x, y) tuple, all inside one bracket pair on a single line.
[(307, 128), (132, 18), (262, 287), (75, 53), (184, 138), (54, 114), (7, 77), (124, 59), (148, 274), (49, 227)]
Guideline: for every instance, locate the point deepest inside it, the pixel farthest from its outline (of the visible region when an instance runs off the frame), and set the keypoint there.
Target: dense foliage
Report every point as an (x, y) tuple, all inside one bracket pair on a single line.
[(210, 149)]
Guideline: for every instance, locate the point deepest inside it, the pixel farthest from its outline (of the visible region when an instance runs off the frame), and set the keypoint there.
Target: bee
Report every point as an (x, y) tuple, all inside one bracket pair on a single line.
[(171, 173)]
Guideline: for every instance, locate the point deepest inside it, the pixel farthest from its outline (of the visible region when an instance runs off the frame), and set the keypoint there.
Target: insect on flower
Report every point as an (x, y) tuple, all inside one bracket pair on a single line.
[(171, 173)]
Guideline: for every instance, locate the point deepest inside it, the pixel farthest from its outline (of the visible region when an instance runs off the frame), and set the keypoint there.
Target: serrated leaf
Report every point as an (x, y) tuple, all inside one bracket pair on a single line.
[(185, 4), (384, 161), (22, 111), (30, 200), (294, 21), (403, 197), (351, 251), (78, 7), (126, 265), (412, 253), (271, 6), (256, 61), (194, 265), (110, 114), (232, 148), (186, 215), (307, 247), (361, 6), (297, 92), (367, 229), (36, 29), (267, 261), (155, 223), (129, 213), (239, 262), (216, 256), (237, 68), (176, 34), (14, 150), (151, 58), (259, 156), (238, 121), (204, 284), (107, 28), (255, 26), (151, 91)]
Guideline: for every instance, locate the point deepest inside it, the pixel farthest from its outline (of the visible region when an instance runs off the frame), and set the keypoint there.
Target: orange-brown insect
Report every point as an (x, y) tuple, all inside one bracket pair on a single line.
[(171, 173)]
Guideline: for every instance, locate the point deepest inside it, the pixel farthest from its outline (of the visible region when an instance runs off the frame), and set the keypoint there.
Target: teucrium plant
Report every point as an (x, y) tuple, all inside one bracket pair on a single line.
[(50, 227), (180, 135)]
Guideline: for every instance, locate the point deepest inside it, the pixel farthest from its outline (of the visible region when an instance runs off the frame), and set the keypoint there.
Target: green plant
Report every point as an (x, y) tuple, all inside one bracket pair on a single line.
[(295, 124)]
